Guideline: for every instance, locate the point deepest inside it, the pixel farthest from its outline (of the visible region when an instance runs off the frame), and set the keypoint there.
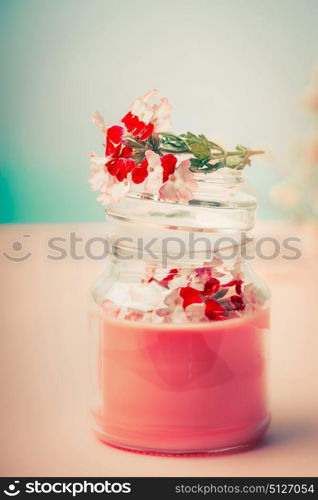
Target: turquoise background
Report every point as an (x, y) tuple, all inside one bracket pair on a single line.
[(232, 68)]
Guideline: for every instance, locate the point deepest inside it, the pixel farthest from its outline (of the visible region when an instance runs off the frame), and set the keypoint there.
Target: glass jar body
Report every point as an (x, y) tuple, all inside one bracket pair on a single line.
[(181, 330)]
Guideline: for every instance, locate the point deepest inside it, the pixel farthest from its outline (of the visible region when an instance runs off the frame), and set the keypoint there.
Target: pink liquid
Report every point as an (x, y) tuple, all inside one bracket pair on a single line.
[(189, 388)]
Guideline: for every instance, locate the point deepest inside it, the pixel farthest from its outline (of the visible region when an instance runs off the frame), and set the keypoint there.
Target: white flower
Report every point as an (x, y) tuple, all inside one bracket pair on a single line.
[(180, 185), (173, 300), (180, 279), (158, 114), (196, 313), (100, 180), (155, 172), (114, 191), (173, 312), (140, 107), (161, 115), (99, 121)]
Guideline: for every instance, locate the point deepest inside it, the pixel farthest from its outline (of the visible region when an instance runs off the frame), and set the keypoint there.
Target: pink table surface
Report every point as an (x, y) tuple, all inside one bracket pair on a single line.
[(44, 365)]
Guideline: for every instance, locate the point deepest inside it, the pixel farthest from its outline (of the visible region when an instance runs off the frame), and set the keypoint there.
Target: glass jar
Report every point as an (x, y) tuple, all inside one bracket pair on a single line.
[(180, 324)]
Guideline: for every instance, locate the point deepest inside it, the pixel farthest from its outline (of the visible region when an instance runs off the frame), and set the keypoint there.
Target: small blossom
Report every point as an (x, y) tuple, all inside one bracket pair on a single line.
[(133, 315), (168, 163), (180, 279), (99, 121), (237, 302), (155, 172), (141, 106), (173, 300), (137, 127), (200, 276), (161, 117), (114, 140), (173, 312), (190, 296), (98, 178), (114, 192), (101, 180), (165, 281), (139, 173), (196, 312), (158, 115), (214, 310), (180, 185), (211, 287)]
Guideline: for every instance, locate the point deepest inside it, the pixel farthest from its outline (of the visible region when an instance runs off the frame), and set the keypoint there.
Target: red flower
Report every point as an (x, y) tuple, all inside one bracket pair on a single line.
[(114, 140), (168, 163), (139, 174), (211, 286), (190, 296), (120, 164), (137, 127), (237, 302), (214, 310), (120, 167)]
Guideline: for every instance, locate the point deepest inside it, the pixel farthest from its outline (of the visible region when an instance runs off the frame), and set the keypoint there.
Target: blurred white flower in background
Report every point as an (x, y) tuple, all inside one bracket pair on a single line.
[(298, 194), (310, 93)]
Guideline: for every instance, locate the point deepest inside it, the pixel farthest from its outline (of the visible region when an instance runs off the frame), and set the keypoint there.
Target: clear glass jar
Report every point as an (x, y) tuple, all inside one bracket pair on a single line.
[(180, 324)]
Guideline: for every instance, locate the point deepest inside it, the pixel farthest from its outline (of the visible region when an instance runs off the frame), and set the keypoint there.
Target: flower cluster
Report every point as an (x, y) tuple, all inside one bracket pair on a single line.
[(184, 295), (142, 152)]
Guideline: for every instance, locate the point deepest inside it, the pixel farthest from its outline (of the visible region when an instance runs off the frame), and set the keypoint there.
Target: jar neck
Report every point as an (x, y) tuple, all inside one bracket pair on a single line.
[(219, 215)]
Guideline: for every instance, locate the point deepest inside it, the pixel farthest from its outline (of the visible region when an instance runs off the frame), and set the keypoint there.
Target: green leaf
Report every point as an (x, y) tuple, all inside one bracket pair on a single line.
[(234, 161), (197, 165), (199, 145)]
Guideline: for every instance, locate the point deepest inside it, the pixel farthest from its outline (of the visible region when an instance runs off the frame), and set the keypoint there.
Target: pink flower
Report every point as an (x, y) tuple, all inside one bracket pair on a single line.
[(100, 180), (214, 310), (173, 300), (133, 315), (173, 312), (155, 172), (157, 114), (161, 115), (114, 191), (180, 185), (180, 278), (200, 276), (196, 313)]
